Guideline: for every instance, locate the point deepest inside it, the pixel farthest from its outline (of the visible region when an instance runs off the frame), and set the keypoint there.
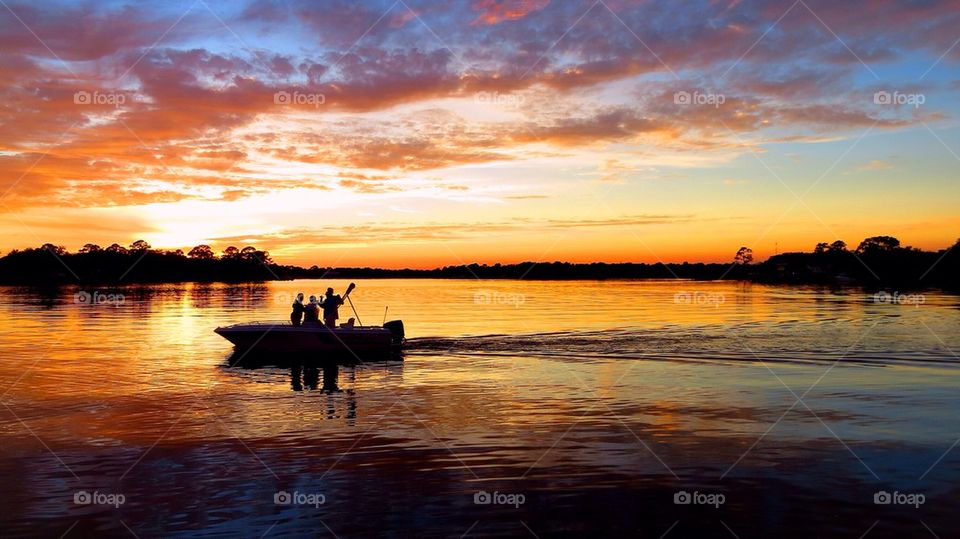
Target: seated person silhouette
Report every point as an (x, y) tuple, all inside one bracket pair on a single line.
[(311, 312)]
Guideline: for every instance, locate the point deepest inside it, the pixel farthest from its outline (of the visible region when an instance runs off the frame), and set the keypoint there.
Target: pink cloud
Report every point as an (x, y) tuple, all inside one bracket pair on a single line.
[(497, 11)]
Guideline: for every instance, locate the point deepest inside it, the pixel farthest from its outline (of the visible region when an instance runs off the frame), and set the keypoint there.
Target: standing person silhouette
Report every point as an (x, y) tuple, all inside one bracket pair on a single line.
[(296, 315), (331, 305)]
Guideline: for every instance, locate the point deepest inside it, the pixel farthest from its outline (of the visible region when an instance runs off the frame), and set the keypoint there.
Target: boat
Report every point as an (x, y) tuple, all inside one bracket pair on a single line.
[(343, 341)]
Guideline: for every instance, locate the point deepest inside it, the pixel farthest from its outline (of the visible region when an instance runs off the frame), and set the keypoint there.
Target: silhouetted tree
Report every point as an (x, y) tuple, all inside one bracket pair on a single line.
[(231, 252), (838, 246), (878, 243), (821, 248), (90, 248), (58, 250), (203, 252), (253, 254), (744, 256), (139, 246), (117, 248)]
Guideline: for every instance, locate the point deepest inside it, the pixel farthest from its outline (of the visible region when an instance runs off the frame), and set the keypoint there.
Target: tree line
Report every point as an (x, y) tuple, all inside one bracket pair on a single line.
[(137, 263), (876, 261)]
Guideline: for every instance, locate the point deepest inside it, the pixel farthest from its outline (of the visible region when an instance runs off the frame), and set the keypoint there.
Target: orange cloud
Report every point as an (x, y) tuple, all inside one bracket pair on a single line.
[(388, 97), (496, 11)]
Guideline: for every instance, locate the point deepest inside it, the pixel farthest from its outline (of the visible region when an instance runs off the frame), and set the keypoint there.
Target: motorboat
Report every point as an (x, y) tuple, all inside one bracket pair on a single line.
[(343, 341)]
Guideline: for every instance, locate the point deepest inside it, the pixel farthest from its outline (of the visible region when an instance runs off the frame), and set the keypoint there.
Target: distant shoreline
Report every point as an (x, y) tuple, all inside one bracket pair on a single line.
[(836, 285), (877, 262), (757, 274)]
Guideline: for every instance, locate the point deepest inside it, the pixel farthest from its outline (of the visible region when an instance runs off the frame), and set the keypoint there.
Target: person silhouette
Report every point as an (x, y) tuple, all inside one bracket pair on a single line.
[(331, 305), (311, 313), (296, 315)]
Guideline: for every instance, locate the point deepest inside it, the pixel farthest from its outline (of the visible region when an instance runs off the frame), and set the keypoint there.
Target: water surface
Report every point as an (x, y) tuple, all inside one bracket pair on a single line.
[(597, 402)]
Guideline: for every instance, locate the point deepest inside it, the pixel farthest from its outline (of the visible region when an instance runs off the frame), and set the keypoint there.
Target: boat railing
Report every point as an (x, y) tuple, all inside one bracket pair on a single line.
[(263, 323)]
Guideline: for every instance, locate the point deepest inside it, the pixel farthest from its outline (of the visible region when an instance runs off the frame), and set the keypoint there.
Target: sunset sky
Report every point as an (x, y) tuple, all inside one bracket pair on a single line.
[(424, 133)]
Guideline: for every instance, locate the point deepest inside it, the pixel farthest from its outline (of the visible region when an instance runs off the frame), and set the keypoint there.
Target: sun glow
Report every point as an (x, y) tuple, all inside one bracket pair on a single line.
[(417, 156)]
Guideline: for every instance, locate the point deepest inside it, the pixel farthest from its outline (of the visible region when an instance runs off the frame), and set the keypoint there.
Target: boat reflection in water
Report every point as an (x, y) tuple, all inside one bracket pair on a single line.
[(308, 377), (254, 359), (320, 375)]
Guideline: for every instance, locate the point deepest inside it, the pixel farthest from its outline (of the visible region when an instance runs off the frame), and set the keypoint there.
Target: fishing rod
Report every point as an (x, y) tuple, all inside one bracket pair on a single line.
[(347, 297)]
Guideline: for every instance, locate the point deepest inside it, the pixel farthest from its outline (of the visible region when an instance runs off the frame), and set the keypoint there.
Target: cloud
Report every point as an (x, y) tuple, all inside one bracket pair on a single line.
[(876, 164), (419, 233), (526, 197), (497, 11), (613, 171), (199, 122), (81, 33), (603, 126), (370, 187)]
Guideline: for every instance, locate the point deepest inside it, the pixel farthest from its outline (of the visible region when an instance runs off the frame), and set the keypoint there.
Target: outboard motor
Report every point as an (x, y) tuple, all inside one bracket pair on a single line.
[(395, 327)]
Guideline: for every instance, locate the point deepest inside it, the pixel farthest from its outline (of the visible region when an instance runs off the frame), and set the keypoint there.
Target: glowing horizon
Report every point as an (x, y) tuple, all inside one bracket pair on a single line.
[(421, 134)]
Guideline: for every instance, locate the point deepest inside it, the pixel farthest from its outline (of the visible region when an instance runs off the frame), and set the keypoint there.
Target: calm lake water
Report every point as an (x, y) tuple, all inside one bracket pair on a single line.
[(575, 409)]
